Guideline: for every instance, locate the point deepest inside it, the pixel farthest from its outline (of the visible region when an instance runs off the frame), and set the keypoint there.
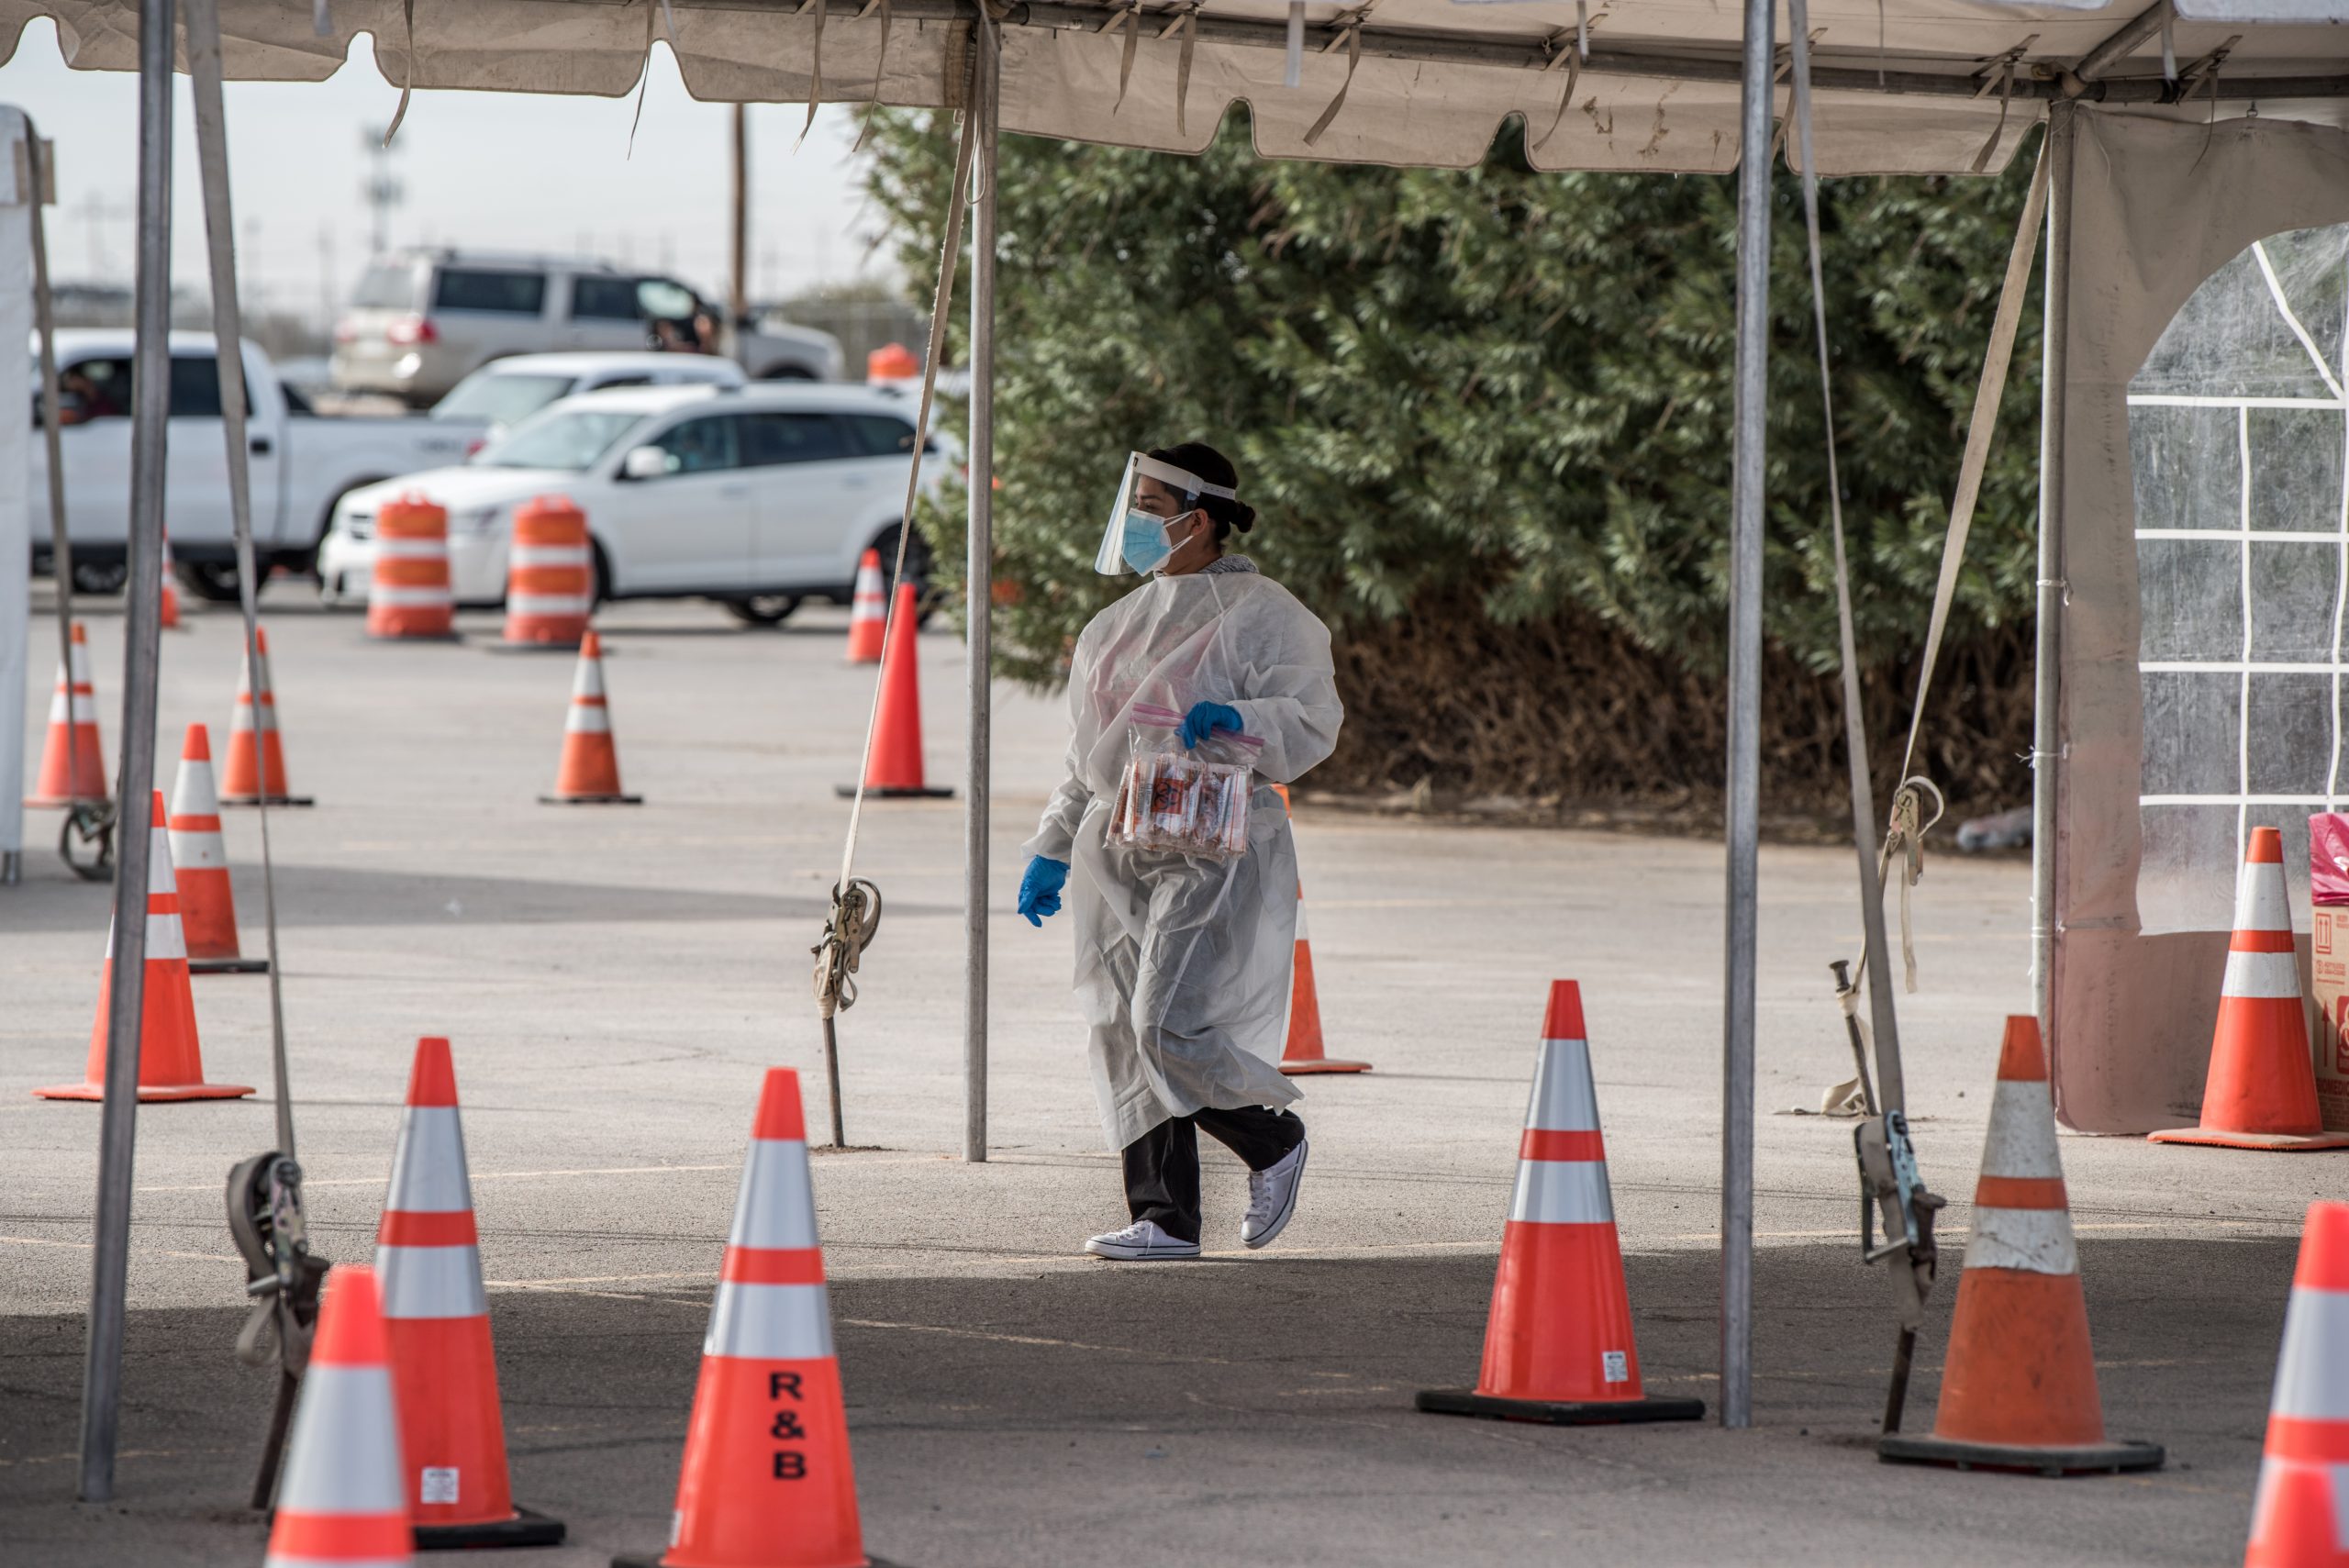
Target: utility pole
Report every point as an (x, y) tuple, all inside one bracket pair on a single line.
[(382, 190), (737, 286), (326, 277)]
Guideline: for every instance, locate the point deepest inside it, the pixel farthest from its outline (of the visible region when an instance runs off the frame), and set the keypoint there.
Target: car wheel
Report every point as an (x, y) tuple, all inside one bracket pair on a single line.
[(917, 563), (100, 576), (762, 609), (212, 581)]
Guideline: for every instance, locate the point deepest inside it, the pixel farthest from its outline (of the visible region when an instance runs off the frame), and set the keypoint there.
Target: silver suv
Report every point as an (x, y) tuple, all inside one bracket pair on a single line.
[(423, 320)]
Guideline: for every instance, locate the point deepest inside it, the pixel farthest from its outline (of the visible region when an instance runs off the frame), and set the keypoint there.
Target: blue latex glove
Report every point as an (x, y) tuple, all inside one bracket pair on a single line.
[(1040, 889), (1205, 719)]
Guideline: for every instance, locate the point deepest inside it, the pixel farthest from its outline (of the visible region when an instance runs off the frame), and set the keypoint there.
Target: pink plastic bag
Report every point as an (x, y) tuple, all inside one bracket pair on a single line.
[(2328, 859)]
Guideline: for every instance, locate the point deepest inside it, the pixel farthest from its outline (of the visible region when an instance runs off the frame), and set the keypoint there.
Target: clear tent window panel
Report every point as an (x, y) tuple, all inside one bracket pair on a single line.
[(2239, 440)]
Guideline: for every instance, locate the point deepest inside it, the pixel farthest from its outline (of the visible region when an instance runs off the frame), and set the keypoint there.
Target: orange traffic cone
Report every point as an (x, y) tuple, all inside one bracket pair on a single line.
[(200, 862), (2261, 1090), (2298, 1514), (438, 1319), (868, 612), (167, 606), (2018, 1390), (1303, 1054), (171, 1062), (408, 595), (767, 1478), (340, 1500), (895, 772), (549, 575), (590, 771), (73, 764), (249, 763), (1558, 1344)]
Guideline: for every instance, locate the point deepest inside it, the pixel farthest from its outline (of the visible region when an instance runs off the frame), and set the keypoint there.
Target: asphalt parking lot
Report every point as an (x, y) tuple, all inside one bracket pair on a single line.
[(616, 981)]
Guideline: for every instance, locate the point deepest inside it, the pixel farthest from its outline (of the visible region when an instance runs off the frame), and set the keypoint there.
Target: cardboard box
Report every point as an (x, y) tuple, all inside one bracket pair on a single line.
[(2329, 961)]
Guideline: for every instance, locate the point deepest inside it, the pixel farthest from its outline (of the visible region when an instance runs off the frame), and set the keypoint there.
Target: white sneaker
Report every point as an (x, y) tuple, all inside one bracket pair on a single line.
[(1272, 1198), (1142, 1242)]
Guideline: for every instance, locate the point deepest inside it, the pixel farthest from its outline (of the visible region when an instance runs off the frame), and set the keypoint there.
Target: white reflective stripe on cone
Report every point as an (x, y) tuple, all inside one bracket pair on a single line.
[(198, 851), (158, 863), (2260, 899), (2261, 975), (1562, 1192), (344, 1456), (409, 598), (588, 718), (400, 549), (431, 1281), (78, 660), (587, 680), (192, 792), (546, 604), (1301, 920), (2035, 1241), (164, 938), (777, 1206), (84, 709), (1562, 1098), (2312, 1374), (428, 1163), (546, 555), (2023, 1131), (770, 1322)]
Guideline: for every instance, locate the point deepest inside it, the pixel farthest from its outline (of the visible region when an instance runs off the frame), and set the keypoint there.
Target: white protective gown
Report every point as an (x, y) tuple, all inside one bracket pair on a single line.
[(1183, 965)]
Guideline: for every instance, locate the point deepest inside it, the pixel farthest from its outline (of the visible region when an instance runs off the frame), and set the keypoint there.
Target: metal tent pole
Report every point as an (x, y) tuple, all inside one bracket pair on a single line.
[(2046, 718), (1743, 826), (978, 584), (150, 402)]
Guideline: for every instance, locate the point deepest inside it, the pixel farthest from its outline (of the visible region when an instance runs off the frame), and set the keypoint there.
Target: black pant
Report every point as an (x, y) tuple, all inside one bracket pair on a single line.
[(1163, 1164)]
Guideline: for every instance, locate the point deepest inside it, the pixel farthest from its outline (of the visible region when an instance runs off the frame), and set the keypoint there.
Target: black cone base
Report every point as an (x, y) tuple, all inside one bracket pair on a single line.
[(227, 966), (2093, 1459), (654, 1562), (591, 800), (1559, 1413), (879, 792), (525, 1528)]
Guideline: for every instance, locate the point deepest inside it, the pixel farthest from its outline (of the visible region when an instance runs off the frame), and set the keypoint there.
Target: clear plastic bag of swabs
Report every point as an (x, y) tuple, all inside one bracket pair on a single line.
[(1174, 801)]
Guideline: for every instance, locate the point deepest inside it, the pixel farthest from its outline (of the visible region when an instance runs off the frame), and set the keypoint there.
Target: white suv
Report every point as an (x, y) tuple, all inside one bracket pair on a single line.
[(423, 320), (757, 498)]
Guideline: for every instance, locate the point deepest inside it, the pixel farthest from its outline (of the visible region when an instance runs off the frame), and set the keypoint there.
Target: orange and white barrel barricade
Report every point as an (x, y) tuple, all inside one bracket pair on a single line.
[(437, 1316), (868, 611), (73, 764), (767, 1481), (2019, 1391), (409, 595), (256, 766), (589, 773), (2260, 1092), (2300, 1516), (200, 862), (1558, 1342), (338, 1503), (550, 574), (170, 1060)]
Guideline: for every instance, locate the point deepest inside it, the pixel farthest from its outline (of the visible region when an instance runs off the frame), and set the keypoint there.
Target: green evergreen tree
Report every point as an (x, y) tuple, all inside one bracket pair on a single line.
[(1504, 395)]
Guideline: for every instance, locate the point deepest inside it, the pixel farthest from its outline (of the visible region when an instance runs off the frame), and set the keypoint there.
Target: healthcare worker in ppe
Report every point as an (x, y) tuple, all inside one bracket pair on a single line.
[(1183, 962)]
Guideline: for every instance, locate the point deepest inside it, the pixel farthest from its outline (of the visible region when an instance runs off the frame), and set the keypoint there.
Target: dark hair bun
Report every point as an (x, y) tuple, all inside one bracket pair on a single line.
[(1243, 516)]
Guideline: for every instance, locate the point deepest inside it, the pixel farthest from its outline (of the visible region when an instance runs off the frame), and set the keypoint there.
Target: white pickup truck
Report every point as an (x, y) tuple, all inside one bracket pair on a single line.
[(301, 462)]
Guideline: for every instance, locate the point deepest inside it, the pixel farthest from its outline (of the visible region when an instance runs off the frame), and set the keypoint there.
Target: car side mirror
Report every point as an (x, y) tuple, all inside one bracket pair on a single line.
[(644, 462)]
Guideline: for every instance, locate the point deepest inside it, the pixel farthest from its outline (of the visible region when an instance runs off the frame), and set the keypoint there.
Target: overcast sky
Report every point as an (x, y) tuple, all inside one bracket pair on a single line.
[(510, 171)]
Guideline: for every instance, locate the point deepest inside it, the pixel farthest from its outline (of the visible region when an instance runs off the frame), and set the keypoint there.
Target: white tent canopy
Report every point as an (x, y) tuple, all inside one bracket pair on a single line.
[(1913, 87), (2143, 203)]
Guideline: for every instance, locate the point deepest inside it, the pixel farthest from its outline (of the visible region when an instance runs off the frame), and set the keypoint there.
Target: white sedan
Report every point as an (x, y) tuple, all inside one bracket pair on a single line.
[(757, 498)]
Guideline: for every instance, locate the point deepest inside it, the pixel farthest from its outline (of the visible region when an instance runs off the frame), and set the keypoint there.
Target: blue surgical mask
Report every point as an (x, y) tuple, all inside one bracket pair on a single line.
[(1146, 548)]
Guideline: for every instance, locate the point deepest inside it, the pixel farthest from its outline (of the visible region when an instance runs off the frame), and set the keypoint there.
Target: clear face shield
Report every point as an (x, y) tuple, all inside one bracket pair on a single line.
[(1151, 495)]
